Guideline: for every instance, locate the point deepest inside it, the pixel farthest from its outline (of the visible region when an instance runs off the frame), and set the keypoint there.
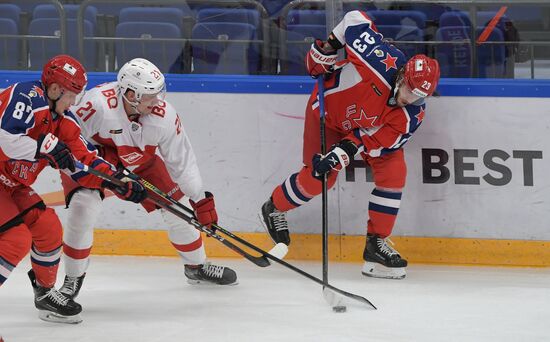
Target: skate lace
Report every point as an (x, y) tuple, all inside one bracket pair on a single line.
[(57, 297), (71, 283), (279, 220), (385, 248), (213, 271)]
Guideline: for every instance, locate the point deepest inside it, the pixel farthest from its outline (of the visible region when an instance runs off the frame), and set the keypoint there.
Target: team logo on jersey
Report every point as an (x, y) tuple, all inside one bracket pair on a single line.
[(36, 91), (389, 62), (135, 126), (379, 53), (131, 158), (115, 131), (376, 90)]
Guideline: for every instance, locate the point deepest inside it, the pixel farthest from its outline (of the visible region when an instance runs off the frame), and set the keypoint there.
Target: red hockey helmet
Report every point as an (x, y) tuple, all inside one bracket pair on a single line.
[(65, 71), (422, 75)]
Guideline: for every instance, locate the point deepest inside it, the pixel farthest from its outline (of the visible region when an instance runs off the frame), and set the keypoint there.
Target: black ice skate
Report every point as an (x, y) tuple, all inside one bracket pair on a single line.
[(275, 223), (381, 260), (210, 274), (52, 305), (71, 286)]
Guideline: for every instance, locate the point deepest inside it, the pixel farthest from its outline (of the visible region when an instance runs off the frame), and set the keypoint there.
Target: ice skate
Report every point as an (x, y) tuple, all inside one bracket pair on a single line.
[(71, 286), (210, 274), (52, 305), (275, 223), (381, 260)]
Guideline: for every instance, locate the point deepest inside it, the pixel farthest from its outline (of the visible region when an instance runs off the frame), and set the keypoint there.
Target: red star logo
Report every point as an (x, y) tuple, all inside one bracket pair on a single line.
[(389, 62), (364, 120), (420, 115)]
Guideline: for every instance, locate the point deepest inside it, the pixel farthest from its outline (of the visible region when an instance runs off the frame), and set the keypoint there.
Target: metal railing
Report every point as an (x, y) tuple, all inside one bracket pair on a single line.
[(269, 53)]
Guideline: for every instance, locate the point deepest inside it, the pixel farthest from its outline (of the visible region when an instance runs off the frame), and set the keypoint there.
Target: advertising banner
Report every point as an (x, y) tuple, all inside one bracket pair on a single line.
[(477, 168)]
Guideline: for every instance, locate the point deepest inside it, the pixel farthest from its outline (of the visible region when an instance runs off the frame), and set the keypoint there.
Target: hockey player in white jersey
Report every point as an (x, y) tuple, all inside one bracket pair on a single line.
[(135, 128)]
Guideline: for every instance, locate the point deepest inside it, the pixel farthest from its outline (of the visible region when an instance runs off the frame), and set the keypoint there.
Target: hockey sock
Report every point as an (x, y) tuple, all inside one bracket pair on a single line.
[(383, 208)]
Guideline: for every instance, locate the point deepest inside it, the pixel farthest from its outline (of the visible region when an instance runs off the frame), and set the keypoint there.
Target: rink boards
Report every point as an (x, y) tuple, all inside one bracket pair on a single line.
[(477, 187)]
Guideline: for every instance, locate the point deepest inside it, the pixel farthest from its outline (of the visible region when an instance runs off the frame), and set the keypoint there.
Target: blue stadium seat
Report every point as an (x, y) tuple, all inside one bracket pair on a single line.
[(404, 32), (455, 59), (71, 12), (152, 14), (229, 15), (306, 17), (298, 42), (454, 18), (9, 47), (491, 57), (393, 17), (358, 6), (223, 56), (432, 11), (162, 53), (10, 11), (484, 17), (274, 7), (27, 6), (112, 9), (40, 50)]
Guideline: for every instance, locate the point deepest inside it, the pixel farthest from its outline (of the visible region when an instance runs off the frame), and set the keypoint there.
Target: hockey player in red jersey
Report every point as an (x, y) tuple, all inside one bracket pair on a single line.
[(136, 129), (374, 102), (37, 130)]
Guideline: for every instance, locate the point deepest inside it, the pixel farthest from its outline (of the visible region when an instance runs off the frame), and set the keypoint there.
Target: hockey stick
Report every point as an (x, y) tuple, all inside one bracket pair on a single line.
[(259, 261), (324, 196), (331, 297)]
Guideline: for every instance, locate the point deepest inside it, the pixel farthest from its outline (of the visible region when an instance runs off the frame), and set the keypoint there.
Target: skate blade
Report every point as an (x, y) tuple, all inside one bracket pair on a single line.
[(376, 270), (49, 316), (208, 283)]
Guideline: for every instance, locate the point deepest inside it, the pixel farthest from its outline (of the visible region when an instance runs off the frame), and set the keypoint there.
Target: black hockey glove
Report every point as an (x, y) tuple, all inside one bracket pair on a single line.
[(336, 159), (131, 190)]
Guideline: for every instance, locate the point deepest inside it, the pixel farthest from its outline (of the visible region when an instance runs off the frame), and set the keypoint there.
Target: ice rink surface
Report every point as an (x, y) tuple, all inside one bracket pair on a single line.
[(134, 299)]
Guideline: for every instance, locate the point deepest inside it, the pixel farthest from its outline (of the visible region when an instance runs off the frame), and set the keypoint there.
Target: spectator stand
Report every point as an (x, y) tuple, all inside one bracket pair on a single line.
[(264, 19)]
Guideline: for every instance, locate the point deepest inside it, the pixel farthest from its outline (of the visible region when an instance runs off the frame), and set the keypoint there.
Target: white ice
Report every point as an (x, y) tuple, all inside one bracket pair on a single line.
[(134, 299)]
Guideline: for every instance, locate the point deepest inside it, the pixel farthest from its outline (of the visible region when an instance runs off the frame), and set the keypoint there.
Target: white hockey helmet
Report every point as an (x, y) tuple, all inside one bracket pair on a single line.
[(143, 77)]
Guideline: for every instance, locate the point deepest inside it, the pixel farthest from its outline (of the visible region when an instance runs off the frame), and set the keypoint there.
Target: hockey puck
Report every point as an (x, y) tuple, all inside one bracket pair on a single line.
[(339, 308)]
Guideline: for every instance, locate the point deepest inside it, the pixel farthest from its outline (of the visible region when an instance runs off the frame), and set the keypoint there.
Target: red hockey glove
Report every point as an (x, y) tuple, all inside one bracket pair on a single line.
[(318, 61), (205, 210), (131, 190), (55, 151), (336, 159)]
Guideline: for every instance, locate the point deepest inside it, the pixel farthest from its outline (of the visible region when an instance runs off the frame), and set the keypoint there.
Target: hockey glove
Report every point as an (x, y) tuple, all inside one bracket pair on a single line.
[(205, 210), (336, 159), (131, 190), (318, 60), (55, 151)]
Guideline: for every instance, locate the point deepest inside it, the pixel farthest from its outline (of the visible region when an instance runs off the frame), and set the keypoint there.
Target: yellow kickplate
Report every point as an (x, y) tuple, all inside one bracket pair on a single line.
[(346, 248)]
